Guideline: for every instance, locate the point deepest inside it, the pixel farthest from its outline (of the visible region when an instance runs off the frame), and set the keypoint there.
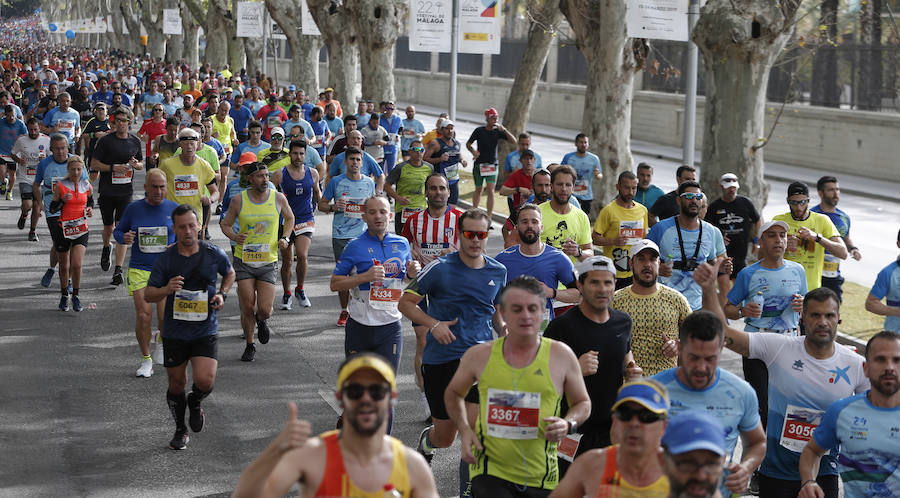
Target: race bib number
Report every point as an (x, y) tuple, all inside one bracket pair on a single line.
[(353, 210), (191, 306), (799, 424), (73, 229), (319, 140), (31, 172), (545, 318), (487, 169), (122, 178), (581, 187), (633, 231), (186, 185), (65, 125), (255, 253), (406, 213), (274, 121), (386, 294), (452, 172), (512, 414), (409, 133), (831, 266), (433, 249), (568, 447), (305, 227), (152, 240)]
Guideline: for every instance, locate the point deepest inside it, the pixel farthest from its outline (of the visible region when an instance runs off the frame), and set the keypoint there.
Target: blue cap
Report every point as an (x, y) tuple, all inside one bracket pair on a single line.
[(694, 430), (292, 87), (644, 393)]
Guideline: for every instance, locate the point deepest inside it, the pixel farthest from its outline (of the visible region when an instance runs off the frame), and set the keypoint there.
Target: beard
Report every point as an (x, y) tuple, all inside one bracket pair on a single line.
[(529, 237), (362, 430), (679, 490), (885, 390)]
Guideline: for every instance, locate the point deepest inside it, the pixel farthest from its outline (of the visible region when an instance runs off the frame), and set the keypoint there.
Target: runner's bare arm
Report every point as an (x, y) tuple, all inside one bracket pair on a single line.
[(705, 276), (420, 476)]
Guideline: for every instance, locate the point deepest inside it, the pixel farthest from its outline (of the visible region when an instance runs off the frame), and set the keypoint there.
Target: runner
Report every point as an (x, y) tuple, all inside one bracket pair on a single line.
[(517, 187), (565, 228), (647, 193), (521, 379), (11, 128), (95, 128), (484, 159), (187, 174), (165, 145), (413, 130), (693, 441), (116, 157), (588, 168), (887, 287), (300, 185), (806, 374), (27, 152), (147, 227), (621, 224), (394, 127), (49, 171), (829, 195), (73, 199), (276, 156), (185, 276), (409, 178), (862, 429), (369, 166), (375, 464), (375, 138), (513, 160), (257, 212), (63, 119), (443, 154), (348, 191), (632, 467), (738, 220), (667, 206)]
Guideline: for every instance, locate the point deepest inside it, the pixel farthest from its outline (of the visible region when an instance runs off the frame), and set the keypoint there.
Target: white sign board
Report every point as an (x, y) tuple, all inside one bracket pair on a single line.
[(308, 23), (479, 27), (171, 22), (657, 19), (429, 25), (276, 32), (250, 19)]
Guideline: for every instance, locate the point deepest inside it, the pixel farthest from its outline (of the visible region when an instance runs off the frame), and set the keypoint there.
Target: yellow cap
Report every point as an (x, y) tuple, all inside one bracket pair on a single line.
[(367, 361)]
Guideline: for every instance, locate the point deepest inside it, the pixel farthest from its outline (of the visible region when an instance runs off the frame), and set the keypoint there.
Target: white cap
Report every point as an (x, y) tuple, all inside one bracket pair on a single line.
[(729, 180), (445, 123), (278, 131), (641, 245), (769, 224), (601, 263)]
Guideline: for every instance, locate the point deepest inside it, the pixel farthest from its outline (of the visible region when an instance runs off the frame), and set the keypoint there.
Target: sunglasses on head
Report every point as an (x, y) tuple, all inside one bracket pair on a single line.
[(417, 149), (801, 202), (644, 415), (692, 195), (474, 234), (190, 139), (376, 391)]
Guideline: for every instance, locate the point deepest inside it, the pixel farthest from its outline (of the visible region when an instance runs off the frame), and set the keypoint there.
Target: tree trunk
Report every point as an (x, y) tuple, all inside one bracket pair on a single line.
[(236, 54), (377, 24), (870, 68), (304, 48), (156, 41), (132, 23), (343, 57), (216, 42), (253, 47), (191, 30), (825, 90), (546, 15), (739, 40), (612, 59)]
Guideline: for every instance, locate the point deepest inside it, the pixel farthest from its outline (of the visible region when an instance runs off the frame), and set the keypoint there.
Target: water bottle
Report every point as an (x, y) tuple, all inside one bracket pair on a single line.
[(758, 299), (391, 492)]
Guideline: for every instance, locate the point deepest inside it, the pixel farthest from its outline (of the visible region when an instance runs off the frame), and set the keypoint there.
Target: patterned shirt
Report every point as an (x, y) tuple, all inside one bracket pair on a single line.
[(656, 318)]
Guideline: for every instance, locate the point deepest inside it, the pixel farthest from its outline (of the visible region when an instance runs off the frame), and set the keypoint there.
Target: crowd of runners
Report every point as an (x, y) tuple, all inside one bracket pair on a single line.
[(582, 360)]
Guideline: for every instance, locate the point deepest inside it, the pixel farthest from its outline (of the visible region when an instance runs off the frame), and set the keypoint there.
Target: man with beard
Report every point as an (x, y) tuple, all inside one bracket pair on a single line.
[(667, 206), (647, 193), (864, 427), (806, 375), (565, 228), (601, 339), (830, 194), (347, 462), (699, 384), (693, 441), (657, 311), (684, 242), (541, 188), (632, 467), (620, 224)]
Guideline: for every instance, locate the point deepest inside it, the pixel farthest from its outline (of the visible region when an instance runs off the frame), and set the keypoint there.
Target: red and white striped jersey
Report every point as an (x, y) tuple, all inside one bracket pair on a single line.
[(430, 237)]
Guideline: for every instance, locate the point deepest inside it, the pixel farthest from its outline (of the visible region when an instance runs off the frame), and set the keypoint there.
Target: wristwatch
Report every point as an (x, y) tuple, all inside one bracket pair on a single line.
[(224, 296), (741, 312), (573, 425)]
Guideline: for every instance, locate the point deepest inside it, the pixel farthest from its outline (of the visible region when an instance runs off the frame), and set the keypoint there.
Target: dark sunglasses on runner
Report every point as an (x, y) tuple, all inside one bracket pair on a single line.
[(644, 415), (376, 391)]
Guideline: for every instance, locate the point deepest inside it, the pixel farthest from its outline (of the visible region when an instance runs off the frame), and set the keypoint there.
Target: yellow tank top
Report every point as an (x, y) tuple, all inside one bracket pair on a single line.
[(336, 481), (513, 405), (613, 485), (260, 223)]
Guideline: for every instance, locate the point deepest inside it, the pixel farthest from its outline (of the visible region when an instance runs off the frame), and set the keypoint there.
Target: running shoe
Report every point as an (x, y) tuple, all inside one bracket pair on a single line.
[(47, 279), (195, 414), (146, 369), (286, 301), (32, 237), (249, 353), (157, 353), (206, 235), (104, 257), (218, 209), (342, 320), (179, 440), (64, 303), (76, 304), (301, 296), (117, 278), (421, 446), (21, 223), (262, 331), (9, 195)]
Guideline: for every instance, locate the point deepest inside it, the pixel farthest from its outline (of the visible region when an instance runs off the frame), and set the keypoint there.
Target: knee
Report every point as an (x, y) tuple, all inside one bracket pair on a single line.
[(264, 312), (177, 386), (302, 260)]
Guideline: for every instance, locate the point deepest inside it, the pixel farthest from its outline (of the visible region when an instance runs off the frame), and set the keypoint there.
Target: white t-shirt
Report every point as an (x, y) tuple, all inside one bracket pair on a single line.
[(33, 151)]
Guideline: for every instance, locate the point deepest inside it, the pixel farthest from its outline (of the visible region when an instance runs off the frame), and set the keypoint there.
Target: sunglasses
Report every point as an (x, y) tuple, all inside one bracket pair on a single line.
[(190, 139), (157, 110), (473, 234), (376, 391), (417, 149), (690, 467), (691, 196), (801, 202), (644, 415)]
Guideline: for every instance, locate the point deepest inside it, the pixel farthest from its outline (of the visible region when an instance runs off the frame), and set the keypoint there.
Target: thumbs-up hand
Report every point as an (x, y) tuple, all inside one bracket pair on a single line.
[(670, 347), (295, 432)]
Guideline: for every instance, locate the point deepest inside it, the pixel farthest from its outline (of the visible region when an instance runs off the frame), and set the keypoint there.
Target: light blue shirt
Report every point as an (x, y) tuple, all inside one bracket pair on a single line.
[(887, 285), (303, 124), (356, 192), (584, 168), (778, 287), (410, 125), (513, 163), (665, 234)]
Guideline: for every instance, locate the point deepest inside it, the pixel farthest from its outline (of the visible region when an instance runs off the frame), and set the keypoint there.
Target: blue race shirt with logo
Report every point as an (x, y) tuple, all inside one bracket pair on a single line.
[(665, 234), (887, 286), (370, 166), (584, 167), (141, 214), (551, 266), (411, 125), (778, 287)]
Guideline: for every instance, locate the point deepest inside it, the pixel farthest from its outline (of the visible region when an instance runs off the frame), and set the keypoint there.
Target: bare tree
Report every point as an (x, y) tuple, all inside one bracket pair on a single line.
[(214, 30), (612, 59), (340, 38), (132, 21), (191, 37), (377, 24), (152, 18), (304, 48)]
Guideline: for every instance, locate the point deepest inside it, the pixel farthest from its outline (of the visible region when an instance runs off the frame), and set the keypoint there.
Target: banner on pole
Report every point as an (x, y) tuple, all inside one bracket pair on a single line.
[(657, 19), (479, 27), (430, 26), (171, 22), (308, 23), (250, 19)]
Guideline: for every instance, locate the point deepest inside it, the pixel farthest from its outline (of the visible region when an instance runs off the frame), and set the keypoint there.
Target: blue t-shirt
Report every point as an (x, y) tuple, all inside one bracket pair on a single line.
[(140, 216), (887, 285), (313, 158), (832, 265), (9, 133), (255, 105), (551, 266), (48, 172), (356, 192), (334, 125), (370, 166), (453, 290), (170, 109), (411, 126), (512, 162), (242, 116), (67, 122), (665, 234), (148, 100), (778, 287), (246, 147), (648, 197), (303, 124), (393, 127), (200, 272), (729, 399), (105, 97), (318, 128), (584, 168), (867, 438)]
